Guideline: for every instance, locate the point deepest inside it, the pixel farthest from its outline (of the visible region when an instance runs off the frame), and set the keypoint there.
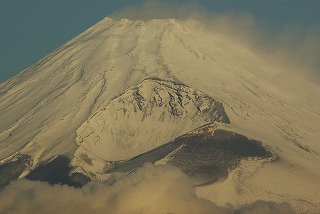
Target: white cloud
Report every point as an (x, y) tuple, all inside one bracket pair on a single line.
[(151, 189)]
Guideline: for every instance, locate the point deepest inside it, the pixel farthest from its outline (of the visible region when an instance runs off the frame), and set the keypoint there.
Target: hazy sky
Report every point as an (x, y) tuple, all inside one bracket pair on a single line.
[(30, 29)]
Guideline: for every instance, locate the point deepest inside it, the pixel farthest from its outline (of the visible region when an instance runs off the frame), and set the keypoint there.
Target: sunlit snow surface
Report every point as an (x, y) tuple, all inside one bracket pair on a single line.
[(147, 116), (47, 109)]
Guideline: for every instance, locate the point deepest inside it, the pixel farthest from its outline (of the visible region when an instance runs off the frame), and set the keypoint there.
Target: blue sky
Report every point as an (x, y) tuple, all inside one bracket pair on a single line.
[(30, 29)]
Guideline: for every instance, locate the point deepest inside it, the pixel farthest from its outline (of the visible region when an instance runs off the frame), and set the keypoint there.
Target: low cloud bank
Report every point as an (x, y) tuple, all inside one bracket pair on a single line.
[(151, 189)]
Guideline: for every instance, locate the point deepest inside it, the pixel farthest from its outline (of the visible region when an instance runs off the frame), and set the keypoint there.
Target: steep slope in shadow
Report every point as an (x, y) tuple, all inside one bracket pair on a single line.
[(12, 170), (205, 154), (57, 171)]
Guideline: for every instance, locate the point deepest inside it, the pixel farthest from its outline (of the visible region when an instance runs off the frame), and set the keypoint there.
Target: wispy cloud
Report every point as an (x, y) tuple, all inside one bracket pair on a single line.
[(293, 47), (159, 10)]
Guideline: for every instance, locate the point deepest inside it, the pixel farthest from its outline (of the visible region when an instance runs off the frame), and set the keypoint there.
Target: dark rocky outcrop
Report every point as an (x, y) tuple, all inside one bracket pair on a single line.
[(57, 171), (203, 156)]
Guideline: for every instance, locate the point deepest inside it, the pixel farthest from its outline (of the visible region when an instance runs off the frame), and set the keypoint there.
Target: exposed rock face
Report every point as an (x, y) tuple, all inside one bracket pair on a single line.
[(12, 169), (57, 171), (205, 154)]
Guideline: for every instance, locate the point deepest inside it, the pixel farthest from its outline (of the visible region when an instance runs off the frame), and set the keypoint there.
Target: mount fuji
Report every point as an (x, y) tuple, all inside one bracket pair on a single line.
[(126, 92)]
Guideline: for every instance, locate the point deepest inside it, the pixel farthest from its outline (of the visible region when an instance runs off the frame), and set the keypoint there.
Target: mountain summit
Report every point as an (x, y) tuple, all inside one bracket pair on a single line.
[(126, 92)]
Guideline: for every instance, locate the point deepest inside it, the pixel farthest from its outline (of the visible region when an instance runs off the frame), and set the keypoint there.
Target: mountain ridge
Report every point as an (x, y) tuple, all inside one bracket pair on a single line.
[(153, 112)]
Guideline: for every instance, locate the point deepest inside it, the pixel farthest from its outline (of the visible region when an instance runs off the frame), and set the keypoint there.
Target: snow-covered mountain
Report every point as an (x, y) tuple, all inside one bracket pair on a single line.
[(165, 91), (145, 117)]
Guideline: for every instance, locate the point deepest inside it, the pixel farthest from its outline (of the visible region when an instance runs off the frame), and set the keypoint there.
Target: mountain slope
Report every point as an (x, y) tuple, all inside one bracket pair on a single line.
[(205, 154)]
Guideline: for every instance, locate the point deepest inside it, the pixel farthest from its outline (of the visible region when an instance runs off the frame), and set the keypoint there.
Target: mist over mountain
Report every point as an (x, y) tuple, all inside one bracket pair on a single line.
[(168, 92)]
